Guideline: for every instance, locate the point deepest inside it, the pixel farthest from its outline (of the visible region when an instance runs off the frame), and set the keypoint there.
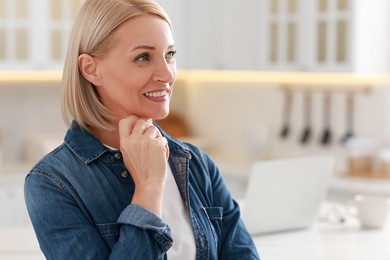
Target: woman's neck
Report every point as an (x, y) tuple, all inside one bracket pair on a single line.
[(110, 138)]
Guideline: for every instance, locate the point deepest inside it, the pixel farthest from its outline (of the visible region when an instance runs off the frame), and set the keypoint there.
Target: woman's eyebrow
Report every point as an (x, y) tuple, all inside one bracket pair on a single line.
[(143, 47)]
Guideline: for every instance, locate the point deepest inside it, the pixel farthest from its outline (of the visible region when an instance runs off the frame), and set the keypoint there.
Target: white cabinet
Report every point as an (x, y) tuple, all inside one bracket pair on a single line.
[(282, 30), (298, 35), (34, 34), (14, 32), (325, 35), (309, 35)]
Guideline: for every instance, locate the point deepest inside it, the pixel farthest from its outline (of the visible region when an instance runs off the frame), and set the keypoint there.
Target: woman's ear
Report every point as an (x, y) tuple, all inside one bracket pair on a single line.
[(88, 67)]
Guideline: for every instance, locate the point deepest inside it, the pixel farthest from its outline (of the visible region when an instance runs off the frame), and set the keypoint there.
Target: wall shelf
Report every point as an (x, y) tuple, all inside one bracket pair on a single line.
[(29, 77), (290, 80), (286, 79)]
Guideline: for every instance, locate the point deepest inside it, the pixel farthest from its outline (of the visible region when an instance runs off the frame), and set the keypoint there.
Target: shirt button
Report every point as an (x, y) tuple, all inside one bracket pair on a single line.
[(117, 156), (125, 174)]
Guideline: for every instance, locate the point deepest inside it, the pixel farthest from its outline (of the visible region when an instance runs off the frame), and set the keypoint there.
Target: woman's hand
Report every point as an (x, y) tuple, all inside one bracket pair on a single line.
[(145, 153)]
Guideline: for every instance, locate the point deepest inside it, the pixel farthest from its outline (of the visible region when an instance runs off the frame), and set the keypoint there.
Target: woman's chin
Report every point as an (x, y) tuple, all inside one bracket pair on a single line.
[(160, 117), (160, 114), (154, 115)]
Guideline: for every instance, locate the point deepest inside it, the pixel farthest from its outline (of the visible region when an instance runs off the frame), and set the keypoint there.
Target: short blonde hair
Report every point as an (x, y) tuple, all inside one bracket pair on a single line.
[(93, 33)]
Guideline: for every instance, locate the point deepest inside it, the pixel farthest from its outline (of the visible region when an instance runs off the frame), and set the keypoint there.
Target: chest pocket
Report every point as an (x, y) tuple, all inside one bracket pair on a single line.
[(109, 232), (215, 216)]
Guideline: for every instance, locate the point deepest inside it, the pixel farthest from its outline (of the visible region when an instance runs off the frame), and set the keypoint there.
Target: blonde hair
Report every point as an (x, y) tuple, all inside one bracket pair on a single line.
[(93, 33)]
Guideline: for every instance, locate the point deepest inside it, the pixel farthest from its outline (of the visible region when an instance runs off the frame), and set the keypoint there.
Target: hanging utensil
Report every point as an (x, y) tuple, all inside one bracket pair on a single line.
[(349, 113), (306, 134), (285, 131), (326, 137)]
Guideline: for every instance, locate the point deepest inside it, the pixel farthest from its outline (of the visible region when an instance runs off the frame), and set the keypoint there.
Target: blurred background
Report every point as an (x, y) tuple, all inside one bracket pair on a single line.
[(257, 80)]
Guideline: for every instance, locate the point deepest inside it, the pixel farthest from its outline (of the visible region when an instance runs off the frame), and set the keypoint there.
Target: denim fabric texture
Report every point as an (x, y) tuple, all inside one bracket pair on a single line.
[(78, 198)]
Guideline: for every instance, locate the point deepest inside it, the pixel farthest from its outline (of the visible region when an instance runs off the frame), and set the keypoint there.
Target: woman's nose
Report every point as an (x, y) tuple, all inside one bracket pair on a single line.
[(165, 71)]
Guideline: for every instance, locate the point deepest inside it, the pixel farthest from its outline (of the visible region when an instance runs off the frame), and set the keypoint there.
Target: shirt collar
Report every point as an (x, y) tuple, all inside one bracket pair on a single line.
[(83, 144)]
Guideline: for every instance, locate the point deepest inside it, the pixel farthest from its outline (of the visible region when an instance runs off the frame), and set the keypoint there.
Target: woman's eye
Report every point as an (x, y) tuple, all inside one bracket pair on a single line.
[(171, 55), (143, 58)]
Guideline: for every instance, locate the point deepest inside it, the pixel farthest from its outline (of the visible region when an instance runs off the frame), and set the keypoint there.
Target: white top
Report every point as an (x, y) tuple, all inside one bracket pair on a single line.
[(176, 215)]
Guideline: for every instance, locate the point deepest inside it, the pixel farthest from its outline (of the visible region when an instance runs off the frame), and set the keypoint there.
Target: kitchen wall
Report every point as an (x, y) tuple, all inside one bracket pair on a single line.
[(236, 123), (242, 122), (28, 112)]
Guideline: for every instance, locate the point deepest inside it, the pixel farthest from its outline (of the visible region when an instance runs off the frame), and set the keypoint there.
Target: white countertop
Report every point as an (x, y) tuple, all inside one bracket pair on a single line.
[(338, 241), (326, 241), (332, 243)]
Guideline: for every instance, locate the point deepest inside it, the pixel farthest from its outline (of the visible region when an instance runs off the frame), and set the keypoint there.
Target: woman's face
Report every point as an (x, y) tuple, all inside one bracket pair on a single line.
[(138, 73)]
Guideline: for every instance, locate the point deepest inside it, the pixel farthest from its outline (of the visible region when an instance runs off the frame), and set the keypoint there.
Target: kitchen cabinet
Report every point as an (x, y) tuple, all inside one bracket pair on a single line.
[(34, 34), (325, 35), (285, 35), (298, 35), (14, 32)]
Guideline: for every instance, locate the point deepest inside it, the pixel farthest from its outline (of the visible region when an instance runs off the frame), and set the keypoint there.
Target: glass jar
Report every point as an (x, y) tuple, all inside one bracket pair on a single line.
[(361, 155)]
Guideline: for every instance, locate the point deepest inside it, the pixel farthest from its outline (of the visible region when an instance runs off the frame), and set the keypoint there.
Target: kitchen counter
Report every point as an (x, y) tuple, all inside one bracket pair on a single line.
[(346, 187), (344, 241)]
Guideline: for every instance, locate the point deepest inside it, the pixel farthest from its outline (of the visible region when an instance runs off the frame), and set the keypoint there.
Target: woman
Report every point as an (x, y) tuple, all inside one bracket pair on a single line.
[(119, 187)]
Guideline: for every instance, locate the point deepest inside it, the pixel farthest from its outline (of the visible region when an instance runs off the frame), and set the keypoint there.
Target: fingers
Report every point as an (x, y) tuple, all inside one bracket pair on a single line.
[(165, 143), (141, 126), (152, 132), (134, 125), (126, 126)]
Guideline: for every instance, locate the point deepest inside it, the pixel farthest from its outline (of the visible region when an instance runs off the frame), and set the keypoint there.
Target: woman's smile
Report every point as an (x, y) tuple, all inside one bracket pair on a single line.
[(157, 95)]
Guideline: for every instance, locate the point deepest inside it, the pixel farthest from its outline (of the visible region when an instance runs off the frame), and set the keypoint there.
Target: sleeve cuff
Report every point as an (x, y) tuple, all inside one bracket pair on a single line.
[(143, 218)]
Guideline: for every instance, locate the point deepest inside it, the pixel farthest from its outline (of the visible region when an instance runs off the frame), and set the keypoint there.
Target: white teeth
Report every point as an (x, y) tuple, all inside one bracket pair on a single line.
[(156, 94)]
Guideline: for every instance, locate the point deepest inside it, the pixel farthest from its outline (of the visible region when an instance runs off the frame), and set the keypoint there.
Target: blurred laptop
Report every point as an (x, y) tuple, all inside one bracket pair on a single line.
[(286, 194)]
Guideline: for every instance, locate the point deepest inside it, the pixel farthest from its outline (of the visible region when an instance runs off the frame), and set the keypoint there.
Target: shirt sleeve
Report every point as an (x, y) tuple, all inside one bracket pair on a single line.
[(65, 231)]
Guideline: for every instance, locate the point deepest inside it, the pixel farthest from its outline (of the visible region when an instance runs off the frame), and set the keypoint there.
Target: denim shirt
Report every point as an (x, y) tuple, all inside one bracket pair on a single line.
[(78, 198)]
